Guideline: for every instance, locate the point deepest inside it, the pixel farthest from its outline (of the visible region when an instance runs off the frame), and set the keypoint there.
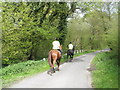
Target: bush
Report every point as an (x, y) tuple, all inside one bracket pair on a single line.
[(20, 70), (106, 73)]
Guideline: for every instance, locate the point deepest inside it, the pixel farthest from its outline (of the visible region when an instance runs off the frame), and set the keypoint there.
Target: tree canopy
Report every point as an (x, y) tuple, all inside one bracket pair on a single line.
[(28, 28), (94, 25)]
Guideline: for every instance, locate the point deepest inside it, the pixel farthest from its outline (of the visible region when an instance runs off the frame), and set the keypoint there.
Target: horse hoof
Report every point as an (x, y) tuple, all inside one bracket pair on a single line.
[(58, 69), (53, 71), (66, 61), (50, 73)]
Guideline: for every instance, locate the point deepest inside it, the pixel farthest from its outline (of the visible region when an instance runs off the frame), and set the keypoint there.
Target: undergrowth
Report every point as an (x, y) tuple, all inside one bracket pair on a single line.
[(106, 73)]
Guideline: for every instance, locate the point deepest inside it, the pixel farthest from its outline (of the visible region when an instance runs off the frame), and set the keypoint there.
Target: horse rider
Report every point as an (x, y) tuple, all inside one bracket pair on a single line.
[(70, 46), (56, 45)]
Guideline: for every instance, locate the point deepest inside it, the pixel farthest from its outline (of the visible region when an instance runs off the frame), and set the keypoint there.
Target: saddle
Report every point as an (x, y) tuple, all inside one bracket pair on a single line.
[(59, 51), (71, 51)]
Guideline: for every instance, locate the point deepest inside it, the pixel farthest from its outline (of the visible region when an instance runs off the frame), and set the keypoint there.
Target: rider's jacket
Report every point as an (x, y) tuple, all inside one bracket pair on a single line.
[(56, 44), (70, 46)]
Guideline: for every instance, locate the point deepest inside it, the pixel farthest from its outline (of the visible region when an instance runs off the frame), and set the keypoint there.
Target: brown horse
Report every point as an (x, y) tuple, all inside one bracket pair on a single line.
[(53, 57)]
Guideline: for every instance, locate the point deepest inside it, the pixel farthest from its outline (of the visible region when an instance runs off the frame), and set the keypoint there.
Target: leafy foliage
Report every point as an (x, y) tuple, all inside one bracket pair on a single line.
[(30, 27), (93, 26)]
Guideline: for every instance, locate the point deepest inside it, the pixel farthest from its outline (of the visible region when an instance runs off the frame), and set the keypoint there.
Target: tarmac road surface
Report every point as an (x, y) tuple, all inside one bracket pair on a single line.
[(71, 75)]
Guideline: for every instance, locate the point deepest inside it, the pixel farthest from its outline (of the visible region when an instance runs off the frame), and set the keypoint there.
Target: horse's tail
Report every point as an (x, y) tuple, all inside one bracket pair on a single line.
[(49, 59)]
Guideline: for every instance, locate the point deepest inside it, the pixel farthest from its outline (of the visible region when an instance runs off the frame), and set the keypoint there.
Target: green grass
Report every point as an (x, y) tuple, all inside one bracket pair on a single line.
[(106, 73), (85, 52), (21, 70)]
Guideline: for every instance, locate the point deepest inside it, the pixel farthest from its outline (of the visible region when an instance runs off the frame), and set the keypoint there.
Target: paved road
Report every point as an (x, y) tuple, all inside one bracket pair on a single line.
[(72, 75)]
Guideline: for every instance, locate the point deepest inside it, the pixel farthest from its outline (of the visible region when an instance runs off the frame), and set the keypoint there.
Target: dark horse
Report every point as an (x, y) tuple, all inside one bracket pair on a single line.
[(70, 53), (53, 57)]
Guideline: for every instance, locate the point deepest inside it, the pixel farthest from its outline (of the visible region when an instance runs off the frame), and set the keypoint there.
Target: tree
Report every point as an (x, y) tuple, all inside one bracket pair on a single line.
[(29, 28)]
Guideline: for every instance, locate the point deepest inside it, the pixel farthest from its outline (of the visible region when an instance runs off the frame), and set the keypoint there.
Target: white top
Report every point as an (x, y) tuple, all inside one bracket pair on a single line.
[(70, 46), (56, 45)]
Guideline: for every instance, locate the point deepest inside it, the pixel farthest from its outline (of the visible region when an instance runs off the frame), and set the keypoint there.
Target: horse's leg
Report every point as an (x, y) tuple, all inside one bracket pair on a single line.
[(70, 57), (54, 61), (58, 63), (52, 67)]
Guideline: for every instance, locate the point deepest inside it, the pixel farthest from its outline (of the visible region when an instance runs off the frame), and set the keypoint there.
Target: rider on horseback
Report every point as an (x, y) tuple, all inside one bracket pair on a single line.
[(56, 45), (70, 46), (54, 56), (70, 51)]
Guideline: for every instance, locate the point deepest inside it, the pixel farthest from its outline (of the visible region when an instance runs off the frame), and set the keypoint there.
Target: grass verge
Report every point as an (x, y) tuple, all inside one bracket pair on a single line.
[(106, 73), (21, 70)]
